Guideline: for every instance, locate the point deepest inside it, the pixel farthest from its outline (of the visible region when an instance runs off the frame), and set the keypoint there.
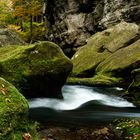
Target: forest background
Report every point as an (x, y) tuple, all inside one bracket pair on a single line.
[(24, 16)]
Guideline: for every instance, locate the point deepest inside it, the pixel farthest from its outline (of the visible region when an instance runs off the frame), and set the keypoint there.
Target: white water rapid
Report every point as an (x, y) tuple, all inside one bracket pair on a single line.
[(75, 96)]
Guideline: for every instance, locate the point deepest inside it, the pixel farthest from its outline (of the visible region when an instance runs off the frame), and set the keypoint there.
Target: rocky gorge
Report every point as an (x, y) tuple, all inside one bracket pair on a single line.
[(102, 38)]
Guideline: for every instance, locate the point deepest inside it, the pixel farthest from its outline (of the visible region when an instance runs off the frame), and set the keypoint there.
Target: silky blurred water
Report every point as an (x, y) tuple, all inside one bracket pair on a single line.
[(75, 96), (83, 105)]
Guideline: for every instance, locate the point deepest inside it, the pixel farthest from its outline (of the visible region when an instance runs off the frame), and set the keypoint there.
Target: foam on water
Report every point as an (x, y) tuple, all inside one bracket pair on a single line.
[(75, 96)]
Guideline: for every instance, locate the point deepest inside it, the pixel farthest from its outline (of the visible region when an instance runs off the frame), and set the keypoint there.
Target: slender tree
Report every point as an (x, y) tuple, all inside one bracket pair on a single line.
[(27, 11)]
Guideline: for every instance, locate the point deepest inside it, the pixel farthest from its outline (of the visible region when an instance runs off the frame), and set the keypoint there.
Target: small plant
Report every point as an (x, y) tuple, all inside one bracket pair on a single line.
[(130, 128), (27, 130)]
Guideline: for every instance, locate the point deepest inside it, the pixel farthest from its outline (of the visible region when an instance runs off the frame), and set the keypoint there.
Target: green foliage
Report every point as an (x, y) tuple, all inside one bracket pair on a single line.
[(24, 13), (38, 32), (24, 9), (6, 16), (26, 128), (130, 128)]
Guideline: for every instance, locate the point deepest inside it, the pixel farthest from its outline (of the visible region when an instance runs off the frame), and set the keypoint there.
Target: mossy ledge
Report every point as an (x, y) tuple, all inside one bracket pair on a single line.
[(36, 70), (98, 80)]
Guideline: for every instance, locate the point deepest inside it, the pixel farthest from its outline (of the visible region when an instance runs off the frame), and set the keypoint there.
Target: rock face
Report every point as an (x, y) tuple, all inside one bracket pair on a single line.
[(111, 57), (71, 22), (37, 70), (9, 37), (13, 111), (118, 10)]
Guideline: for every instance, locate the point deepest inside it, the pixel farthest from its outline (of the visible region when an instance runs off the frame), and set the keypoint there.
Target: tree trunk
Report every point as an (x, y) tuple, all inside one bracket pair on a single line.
[(31, 29)]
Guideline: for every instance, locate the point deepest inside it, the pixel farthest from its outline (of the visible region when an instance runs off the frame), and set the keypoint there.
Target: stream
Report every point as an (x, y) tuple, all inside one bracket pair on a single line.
[(83, 105)]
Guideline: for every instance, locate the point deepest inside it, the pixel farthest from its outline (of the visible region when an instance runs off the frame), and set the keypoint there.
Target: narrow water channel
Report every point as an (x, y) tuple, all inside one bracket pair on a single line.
[(83, 105)]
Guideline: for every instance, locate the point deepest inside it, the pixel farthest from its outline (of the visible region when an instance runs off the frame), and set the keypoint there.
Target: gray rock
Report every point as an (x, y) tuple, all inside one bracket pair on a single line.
[(71, 22), (9, 37)]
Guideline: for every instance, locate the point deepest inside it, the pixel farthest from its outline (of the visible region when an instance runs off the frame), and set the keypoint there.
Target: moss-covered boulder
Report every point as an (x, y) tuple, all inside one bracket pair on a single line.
[(101, 46), (109, 58), (36, 70), (13, 112), (121, 63)]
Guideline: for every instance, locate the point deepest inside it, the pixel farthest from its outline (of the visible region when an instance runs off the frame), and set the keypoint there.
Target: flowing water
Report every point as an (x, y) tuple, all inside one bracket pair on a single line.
[(83, 105)]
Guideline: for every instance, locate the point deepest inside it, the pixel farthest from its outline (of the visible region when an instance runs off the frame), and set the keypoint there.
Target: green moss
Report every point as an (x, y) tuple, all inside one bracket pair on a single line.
[(13, 114), (9, 52), (122, 59), (26, 127), (87, 58), (13, 110), (98, 80)]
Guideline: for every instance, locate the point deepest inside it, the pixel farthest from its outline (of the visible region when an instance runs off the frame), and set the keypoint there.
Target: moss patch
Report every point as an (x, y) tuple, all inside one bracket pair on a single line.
[(122, 59), (13, 112), (98, 80)]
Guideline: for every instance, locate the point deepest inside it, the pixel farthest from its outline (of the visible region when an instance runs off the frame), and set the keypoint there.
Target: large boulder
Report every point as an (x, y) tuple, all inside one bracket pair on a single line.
[(13, 112), (36, 70), (109, 57), (121, 63), (102, 45)]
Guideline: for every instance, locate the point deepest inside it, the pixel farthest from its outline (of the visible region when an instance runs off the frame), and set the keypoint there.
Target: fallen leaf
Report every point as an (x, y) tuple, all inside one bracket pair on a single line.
[(26, 136)]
